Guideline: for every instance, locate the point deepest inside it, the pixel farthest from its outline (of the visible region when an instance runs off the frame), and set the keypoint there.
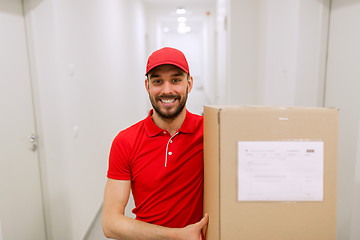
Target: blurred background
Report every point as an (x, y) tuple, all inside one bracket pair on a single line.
[(72, 77)]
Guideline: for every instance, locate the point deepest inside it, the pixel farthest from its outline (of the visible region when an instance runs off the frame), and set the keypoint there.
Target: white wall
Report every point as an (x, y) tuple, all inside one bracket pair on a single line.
[(277, 54), (312, 52), (222, 52), (342, 91), (88, 61), (243, 27)]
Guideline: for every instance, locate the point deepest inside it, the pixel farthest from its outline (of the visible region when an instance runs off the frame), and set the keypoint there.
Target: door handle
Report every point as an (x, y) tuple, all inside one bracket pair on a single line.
[(33, 142)]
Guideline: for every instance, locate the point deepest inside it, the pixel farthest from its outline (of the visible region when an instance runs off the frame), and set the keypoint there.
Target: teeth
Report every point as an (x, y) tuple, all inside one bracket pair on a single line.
[(167, 100)]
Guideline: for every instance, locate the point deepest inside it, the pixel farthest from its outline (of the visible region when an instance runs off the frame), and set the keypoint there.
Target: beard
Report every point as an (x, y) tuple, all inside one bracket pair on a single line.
[(168, 112)]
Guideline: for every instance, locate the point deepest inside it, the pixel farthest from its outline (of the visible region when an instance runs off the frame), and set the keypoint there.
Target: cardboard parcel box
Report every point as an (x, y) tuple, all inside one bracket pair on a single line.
[(270, 173)]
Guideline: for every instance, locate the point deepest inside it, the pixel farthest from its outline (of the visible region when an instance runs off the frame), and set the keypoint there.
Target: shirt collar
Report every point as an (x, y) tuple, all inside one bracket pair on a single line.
[(188, 125), (152, 129)]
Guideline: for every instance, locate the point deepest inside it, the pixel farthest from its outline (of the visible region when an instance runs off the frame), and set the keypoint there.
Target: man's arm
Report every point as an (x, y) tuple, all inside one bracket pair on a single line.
[(118, 226)]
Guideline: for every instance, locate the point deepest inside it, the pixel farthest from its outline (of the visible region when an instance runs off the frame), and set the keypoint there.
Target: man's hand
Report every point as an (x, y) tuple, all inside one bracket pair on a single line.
[(196, 230)]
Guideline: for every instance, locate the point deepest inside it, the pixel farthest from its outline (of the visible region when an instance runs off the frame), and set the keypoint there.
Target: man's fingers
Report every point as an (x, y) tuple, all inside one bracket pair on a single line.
[(204, 221)]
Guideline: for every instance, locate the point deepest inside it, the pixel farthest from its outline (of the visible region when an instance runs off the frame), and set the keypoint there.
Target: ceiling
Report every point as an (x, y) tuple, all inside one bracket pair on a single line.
[(196, 10), (178, 3)]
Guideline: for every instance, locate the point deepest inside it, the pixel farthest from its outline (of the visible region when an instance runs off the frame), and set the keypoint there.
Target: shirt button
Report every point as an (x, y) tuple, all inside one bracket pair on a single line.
[(170, 153), (170, 141), (164, 132)]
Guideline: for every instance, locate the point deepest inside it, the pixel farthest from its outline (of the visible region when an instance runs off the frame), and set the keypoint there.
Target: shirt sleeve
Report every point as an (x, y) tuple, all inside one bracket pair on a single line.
[(119, 159)]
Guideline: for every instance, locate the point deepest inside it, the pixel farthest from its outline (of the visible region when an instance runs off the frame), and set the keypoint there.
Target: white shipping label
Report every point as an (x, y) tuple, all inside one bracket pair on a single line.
[(281, 171)]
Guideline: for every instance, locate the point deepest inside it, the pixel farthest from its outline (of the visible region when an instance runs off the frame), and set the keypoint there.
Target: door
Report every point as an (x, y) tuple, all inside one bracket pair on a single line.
[(21, 208)]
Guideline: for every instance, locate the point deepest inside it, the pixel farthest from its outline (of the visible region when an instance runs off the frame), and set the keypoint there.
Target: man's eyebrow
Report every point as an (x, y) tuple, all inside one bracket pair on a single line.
[(177, 74), (154, 75)]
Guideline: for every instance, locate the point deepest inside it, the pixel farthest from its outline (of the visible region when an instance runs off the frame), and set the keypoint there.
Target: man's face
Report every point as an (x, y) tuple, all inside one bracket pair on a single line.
[(168, 87)]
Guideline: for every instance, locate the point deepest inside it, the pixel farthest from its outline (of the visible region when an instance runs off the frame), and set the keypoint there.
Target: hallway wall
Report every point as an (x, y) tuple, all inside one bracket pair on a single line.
[(343, 85), (277, 52), (87, 63)]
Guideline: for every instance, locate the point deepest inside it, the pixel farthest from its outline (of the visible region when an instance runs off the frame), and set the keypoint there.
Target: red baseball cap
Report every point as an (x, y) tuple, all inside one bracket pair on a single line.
[(167, 55)]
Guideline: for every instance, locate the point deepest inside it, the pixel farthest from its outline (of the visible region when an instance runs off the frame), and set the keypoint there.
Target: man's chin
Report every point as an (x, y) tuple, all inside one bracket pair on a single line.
[(168, 114)]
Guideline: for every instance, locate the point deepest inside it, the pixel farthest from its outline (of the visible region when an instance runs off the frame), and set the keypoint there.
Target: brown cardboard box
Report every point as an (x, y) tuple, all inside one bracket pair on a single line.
[(231, 219)]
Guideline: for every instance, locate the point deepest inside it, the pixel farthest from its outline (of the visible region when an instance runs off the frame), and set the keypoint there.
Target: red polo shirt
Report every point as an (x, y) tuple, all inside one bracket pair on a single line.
[(166, 172)]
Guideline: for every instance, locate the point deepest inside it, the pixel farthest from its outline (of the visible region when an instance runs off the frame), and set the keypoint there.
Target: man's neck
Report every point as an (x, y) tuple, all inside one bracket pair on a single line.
[(170, 125)]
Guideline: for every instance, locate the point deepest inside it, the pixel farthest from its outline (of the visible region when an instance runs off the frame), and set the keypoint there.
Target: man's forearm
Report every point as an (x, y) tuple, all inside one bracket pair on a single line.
[(125, 228)]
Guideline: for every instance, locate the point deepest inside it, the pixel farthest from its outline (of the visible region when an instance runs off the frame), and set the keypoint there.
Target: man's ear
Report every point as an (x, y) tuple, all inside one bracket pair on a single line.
[(190, 83), (147, 84)]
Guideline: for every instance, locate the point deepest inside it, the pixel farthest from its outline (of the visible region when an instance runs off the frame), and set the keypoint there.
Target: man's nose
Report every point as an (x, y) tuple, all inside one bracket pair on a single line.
[(168, 88)]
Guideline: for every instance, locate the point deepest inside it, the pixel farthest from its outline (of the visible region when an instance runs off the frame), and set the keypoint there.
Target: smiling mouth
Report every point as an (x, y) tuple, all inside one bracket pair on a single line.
[(167, 100)]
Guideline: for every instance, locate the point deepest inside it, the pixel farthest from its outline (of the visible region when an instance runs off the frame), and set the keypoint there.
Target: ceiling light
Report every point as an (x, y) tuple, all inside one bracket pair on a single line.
[(181, 19), (183, 29), (180, 10)]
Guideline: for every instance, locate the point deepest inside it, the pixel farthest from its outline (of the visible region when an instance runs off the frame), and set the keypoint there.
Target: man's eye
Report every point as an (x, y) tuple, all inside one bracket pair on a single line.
[(176, 80), (156, 81)]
